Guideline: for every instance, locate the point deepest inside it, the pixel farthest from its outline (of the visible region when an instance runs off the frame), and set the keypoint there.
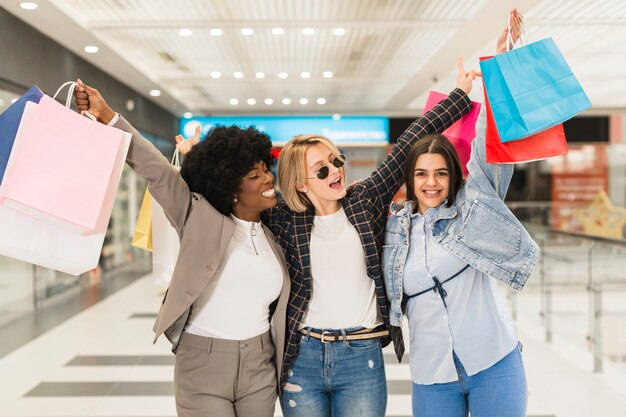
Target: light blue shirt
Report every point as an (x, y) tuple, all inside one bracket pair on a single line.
[(476, 324)]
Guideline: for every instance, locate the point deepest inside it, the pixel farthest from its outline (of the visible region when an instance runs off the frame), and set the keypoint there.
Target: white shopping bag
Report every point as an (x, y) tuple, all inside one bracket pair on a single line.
[(165, 240), (47, 244), (165, 246)]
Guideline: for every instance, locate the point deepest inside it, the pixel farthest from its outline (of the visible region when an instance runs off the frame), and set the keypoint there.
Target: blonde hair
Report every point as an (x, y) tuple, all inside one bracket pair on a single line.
[(292, 169)]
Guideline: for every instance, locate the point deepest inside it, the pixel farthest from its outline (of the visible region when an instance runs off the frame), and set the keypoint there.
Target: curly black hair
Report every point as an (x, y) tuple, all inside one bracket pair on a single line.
[(216, 166)]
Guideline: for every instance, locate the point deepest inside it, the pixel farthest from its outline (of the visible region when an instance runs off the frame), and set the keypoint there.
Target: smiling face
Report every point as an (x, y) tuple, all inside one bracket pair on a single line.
[(431, 181), (256, 193), (323, 193)]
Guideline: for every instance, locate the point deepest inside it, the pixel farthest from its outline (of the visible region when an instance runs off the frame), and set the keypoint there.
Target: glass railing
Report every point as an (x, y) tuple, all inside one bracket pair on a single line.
[(577, 289)]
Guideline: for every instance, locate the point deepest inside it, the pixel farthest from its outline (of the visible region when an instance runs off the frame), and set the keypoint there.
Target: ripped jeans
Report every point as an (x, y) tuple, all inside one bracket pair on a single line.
[(338, 379)]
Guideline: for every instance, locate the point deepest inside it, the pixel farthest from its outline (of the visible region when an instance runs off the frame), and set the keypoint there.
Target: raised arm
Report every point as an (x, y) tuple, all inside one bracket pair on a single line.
[(164, 181), (384, 183), (483, 175)]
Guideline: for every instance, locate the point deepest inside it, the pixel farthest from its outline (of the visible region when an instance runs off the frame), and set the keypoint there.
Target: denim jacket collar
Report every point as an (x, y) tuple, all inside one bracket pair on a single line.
[(433, 215)]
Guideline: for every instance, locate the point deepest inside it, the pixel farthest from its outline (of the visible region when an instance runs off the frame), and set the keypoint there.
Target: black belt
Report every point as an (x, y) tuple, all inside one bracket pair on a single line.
[(438, 288)]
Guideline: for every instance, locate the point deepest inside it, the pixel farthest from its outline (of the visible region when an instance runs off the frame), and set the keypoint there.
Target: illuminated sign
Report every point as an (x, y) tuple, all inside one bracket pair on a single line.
[(347, 130)]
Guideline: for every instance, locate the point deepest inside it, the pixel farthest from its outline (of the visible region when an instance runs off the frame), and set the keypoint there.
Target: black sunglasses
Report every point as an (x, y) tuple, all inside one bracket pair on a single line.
[(323, 172)]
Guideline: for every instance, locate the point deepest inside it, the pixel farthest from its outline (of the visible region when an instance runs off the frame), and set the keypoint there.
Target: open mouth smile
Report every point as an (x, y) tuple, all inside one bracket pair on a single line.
[(269, 193), (335, 185)]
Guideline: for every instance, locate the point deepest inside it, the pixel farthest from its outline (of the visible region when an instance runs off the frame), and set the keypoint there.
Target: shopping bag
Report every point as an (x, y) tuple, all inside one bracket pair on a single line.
[(166, 242), (142, 237), (165, 247), (462, 132), (531, 89), (62, 167), (546, 144), (42, 243), (9, 122)]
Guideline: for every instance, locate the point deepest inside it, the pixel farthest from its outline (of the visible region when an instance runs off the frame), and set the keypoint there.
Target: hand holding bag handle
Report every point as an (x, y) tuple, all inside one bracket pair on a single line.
[(70, 94)]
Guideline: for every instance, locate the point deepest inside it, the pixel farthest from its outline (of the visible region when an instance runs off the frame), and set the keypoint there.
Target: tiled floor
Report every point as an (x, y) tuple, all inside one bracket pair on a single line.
[(101, 362)]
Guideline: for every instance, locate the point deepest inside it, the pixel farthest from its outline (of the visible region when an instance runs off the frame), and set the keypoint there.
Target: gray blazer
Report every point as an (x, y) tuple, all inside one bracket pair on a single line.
[(204, 235)]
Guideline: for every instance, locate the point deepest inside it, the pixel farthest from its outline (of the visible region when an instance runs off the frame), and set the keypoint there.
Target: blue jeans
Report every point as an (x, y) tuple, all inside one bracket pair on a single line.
[(338, 379), (495, 392)]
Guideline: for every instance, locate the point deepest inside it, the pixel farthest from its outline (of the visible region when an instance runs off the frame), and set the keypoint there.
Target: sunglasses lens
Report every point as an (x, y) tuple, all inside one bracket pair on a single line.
[(339, 161), (323, 172)]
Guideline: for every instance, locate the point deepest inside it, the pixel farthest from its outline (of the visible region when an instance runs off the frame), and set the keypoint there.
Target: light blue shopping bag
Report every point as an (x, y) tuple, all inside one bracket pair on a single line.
[(531, 89)]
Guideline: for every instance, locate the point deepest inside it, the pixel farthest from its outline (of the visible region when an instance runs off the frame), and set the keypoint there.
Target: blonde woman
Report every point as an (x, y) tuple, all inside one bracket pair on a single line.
[(337, 316)]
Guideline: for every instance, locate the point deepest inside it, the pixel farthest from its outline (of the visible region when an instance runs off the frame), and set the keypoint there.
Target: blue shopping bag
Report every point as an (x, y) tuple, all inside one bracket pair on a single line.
[(531, 89), (10, 121)]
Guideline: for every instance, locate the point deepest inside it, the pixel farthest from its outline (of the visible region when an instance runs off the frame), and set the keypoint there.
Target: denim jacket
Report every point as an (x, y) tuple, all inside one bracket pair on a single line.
[(478, 228)]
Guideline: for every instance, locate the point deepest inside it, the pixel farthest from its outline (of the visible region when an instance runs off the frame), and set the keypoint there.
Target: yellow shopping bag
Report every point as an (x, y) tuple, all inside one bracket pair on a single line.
[(142, 238)]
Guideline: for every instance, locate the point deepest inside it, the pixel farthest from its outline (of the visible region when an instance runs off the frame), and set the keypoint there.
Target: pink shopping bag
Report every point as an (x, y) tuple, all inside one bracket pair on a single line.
[(47, 243), (460, 133), (64, 167)]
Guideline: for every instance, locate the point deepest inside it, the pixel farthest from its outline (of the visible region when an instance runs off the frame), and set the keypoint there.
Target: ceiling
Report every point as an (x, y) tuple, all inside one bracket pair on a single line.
[(392, 53)]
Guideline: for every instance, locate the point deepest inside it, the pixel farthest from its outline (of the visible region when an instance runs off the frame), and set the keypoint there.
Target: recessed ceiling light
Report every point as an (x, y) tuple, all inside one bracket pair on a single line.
[(308, 31), (339, 31), (304, 101), (216, 74), (91, 49), (187, 115), (251, 101), (286, 101), (321, 100), (268, 101), (28, 6), (328, 74), (247, 31), (305, 74), (278, 31), (238, 74), (283, 75), (336, 117), (185, 32), (1, 102), (155, 93), (216, 32), (260, 75), (233, 101)]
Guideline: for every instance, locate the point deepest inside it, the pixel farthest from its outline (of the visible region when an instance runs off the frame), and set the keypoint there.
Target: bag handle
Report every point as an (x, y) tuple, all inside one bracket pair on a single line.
[(509, 38), (68, 99), (176, 157), (70, 92)]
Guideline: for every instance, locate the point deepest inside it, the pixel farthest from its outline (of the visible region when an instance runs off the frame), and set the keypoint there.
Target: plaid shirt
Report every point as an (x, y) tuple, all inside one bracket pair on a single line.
[(367, 206)]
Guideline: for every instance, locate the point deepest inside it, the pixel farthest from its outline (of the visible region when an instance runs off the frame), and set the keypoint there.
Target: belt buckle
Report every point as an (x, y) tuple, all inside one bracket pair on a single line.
[(323, 334)]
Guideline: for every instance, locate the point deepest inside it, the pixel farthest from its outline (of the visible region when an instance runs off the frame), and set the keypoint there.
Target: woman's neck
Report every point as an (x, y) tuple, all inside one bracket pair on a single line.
[(324, 208), (249, 216)]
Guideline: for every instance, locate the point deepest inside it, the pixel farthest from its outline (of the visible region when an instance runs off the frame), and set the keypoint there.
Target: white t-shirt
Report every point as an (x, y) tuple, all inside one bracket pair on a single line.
[(343, 295), (235, 304)]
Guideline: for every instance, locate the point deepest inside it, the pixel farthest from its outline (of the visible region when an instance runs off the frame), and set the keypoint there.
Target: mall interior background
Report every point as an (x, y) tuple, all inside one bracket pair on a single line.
[(575, 204)]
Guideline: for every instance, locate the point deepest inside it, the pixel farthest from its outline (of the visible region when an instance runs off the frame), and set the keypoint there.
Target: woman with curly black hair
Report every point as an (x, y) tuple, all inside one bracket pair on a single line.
[(230, 281)]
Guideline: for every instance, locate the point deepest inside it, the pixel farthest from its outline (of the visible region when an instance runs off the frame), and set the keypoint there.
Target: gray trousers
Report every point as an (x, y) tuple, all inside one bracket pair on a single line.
[(225, 378)]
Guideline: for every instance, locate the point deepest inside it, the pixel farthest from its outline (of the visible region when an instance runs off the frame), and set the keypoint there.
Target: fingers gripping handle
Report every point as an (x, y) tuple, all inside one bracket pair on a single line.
[(68, 99)]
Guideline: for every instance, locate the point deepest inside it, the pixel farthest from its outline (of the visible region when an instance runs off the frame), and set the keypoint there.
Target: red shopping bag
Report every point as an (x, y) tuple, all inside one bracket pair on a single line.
[(462, 132), (543, 145)]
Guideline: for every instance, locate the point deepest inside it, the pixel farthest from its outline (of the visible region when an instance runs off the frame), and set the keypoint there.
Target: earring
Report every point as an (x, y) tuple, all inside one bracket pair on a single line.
[(235, 201), (304, 190)]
